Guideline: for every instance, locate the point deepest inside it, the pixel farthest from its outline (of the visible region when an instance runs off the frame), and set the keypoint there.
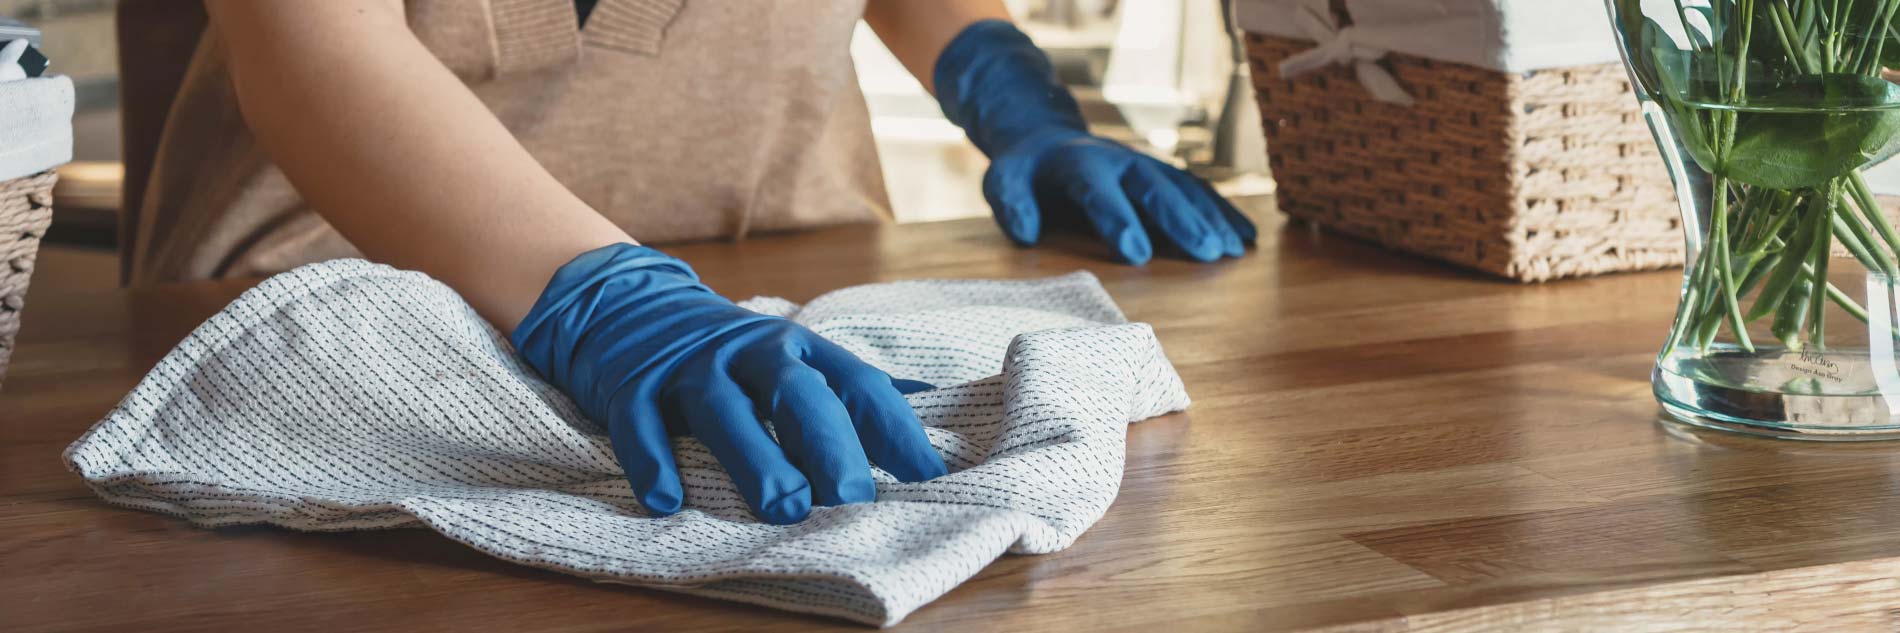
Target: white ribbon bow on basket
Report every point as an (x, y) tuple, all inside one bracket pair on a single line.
[(1337, 47)]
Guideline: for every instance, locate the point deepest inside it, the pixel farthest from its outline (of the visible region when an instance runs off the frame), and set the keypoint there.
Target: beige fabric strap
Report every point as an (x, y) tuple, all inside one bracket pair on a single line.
[(533, 34), (633, 26)]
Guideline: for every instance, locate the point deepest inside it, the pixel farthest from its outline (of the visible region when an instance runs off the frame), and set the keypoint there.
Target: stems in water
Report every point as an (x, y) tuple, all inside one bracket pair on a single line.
[(1773, 244)]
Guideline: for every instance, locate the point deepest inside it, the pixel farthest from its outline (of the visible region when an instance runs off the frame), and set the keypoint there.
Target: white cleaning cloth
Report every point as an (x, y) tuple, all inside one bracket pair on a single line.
[(348, 395), (10, 53), (36, 125)]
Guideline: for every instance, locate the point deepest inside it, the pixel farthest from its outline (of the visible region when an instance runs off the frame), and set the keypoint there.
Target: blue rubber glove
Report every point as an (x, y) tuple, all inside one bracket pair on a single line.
[(1002, 90), (643, 347)]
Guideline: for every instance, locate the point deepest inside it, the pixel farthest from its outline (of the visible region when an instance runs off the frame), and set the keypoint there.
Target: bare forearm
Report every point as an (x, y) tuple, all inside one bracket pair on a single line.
[(917, 30), (396, 153)]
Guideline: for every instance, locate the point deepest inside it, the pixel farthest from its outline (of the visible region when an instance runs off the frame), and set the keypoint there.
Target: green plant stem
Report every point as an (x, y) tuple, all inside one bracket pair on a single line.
[(1769, 237), (1747, 37), (1693, 298), (1682, 14), (1848, 60), (1834, 20), (1783, 280), (1778, 16), (1877, 258), (1847, 303), (1844, 231), (1756, 262), (1724, 273), (1833, 292), (1791, 316), (1866, 44), (1715, 29), (1786, 31), (1821, 254), (1873, 47), (1779, 241), (1686, 318), (1682, 320), (1711, 317), (1870, 210)]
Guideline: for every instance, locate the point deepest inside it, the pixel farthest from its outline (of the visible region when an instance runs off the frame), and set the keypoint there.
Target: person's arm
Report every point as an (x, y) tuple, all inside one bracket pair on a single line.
[(392, 149), (916, 32), (1003, 91), (395, 152)]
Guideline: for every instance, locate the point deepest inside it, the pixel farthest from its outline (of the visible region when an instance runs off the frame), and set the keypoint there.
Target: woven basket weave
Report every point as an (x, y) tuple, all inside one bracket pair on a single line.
[(1530, 176), (26, 209)]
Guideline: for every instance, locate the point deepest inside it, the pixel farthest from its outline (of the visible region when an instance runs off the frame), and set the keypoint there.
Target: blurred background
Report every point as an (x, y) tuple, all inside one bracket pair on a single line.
[(1161, 75), (81, 41)]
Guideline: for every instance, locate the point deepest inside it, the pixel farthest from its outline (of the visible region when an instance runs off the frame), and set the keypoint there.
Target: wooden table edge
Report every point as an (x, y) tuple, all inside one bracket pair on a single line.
[(1851, 595)]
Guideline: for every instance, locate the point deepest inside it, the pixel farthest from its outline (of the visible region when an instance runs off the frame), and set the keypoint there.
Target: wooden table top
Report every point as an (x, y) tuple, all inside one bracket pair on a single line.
[(1375, 441)]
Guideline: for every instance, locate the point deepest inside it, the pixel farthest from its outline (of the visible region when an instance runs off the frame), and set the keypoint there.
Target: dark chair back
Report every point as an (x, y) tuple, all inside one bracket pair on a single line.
[(156, 42)]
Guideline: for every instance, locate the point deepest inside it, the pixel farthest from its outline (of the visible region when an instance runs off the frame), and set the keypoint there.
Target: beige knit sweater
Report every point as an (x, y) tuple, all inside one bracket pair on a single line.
[(677, 119)]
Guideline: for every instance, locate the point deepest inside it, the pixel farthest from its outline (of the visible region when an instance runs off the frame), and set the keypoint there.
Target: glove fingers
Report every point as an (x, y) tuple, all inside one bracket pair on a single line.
[(886, 424), (1093, 189), (1163, 204), (813, 426), (1203, 194), (906, 386), (645, 452), (1209, 208), (723, 418), (1007, 186)]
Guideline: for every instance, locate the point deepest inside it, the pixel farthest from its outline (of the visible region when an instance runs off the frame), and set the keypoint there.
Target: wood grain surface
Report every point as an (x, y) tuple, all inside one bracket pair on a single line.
[(1376, 443)]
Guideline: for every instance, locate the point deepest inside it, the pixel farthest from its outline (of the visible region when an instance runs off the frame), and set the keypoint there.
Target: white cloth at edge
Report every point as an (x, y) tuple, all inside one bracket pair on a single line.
[(1505, 35), (348, 395), (10, 52), (36, 125)]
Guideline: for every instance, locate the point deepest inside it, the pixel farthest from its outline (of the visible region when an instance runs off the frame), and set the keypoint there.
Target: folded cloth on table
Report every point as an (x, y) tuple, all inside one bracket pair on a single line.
[(348, 395), (36, 125)]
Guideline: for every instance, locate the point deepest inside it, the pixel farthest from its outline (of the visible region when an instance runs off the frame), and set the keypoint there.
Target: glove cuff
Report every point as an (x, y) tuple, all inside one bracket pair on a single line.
[(548, 336), (1000, 88)]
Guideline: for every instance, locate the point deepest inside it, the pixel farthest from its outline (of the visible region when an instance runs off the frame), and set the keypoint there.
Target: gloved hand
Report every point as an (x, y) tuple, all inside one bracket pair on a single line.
[(1002, 90), (644, 348)]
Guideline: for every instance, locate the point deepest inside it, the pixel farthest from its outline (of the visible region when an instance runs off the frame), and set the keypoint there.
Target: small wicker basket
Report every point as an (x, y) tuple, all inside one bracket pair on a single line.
[(26, 209), (1531, 176)]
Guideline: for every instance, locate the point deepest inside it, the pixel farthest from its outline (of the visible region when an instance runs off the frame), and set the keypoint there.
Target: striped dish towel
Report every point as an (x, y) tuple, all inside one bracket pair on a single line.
[(352, 396)]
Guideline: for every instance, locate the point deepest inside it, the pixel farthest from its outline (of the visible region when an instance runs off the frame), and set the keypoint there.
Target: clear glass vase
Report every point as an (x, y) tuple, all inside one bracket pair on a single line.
[(1767, 113)]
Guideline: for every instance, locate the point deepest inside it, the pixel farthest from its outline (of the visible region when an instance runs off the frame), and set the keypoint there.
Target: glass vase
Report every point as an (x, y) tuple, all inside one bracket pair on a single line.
[(1767, 113)]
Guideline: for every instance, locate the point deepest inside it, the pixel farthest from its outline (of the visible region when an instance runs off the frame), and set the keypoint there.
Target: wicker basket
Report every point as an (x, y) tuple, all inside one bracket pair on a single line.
[(1530, 176), (26, 208)]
